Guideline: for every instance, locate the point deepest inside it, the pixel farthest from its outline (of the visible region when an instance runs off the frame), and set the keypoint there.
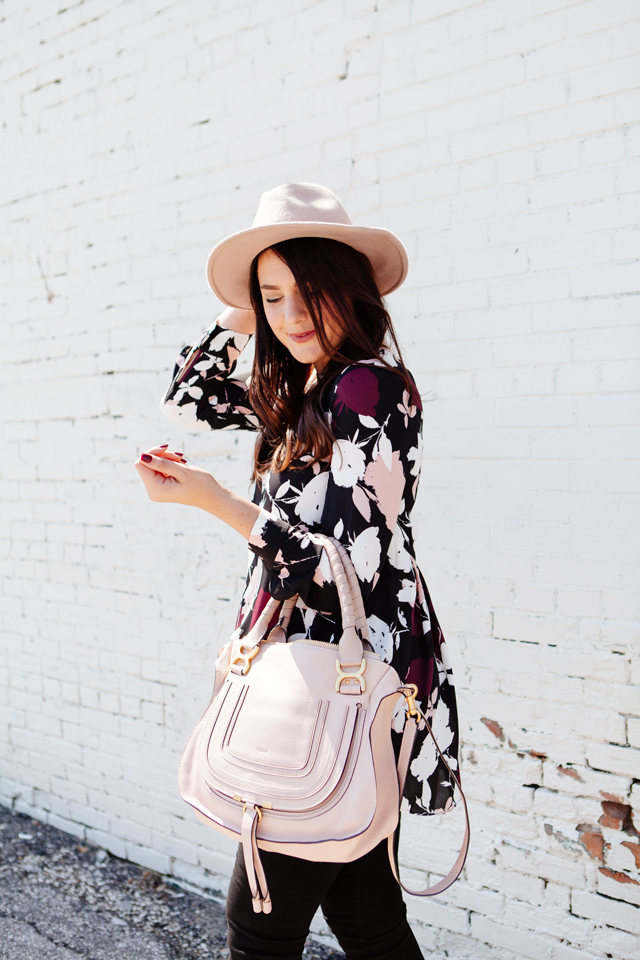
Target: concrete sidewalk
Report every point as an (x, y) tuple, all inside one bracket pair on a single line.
[(61, 899)]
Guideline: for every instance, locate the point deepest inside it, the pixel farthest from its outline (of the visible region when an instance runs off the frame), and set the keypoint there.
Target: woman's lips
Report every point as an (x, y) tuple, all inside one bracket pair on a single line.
[(302, 337)]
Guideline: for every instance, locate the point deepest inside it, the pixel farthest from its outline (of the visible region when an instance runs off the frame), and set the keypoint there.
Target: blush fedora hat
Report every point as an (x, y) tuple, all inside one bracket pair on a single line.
[(300, 210)]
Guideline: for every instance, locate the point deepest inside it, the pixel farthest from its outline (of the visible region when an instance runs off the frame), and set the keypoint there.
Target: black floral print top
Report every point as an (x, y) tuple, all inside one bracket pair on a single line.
[(363, 495)]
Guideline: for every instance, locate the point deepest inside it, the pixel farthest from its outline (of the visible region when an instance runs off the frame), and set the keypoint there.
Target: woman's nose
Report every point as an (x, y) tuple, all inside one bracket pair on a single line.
[(295, 310)]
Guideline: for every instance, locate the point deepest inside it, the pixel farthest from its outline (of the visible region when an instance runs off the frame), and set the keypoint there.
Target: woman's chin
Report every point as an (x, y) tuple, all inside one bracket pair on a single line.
[(308, 354)]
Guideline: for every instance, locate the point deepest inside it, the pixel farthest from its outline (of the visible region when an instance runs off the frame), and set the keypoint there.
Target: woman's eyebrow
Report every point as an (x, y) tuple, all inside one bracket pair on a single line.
[(267, 286)]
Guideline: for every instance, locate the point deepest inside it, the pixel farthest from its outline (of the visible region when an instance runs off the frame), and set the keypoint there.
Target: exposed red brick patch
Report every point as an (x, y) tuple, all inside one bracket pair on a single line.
[(617, 816), (570, 772), (538, 754), (495, 727), (611, 796), (592, 840), (635, 850), (617, 875)]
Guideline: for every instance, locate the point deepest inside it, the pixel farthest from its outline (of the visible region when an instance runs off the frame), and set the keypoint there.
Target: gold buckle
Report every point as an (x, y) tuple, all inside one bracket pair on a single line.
[(256, 808), (347, 677), (245, 659), (412, 710)]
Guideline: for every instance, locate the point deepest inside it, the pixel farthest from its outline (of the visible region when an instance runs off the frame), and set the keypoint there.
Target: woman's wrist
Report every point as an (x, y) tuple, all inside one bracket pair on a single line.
[(230, 507)]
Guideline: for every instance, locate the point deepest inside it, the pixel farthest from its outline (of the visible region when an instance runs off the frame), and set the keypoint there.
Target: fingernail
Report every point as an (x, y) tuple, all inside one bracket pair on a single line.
[(183, 460), (146, 458), (163, 446), (178, 453)]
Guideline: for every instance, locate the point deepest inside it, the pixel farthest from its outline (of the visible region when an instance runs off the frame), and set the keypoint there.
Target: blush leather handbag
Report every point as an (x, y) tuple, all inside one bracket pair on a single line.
[(294, 752)]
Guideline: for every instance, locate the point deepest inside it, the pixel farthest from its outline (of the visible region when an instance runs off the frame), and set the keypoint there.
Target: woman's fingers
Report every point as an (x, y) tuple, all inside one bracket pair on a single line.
[(148, 463), (164, 479), (164, 452)]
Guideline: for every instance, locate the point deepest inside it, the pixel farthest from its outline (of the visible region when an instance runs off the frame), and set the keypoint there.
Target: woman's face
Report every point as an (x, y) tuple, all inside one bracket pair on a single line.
[(287, 314)]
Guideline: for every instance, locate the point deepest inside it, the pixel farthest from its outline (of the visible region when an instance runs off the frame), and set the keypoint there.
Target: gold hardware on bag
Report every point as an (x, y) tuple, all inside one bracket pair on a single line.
[(244, 659), (357, 677), (258, 808), (412, 710), (238, 799)]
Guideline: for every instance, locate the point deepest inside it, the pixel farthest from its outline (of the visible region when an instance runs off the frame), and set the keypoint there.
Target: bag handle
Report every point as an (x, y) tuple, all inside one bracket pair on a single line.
[(329, 543), (411, 727), (350, 647)]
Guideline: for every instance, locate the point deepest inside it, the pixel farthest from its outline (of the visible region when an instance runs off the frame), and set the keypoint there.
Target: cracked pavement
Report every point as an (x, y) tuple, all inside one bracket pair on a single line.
[(64, 899)]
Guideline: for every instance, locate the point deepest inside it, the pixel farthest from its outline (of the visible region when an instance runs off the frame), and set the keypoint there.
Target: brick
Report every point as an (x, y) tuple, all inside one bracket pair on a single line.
[(438, 915), (539, 864), (633, 729), (564, 952), (498, 935), (622, 760), (606, 939), (601, 909)]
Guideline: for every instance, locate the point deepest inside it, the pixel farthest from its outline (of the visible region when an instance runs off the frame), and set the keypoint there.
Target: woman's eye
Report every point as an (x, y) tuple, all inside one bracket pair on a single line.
[(275, 300)]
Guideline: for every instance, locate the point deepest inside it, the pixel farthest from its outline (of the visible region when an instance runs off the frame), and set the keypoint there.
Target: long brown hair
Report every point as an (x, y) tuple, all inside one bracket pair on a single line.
[(333, 279)]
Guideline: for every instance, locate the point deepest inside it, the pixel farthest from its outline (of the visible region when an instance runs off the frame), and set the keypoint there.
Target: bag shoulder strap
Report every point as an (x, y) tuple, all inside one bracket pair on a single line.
[(406, 749)]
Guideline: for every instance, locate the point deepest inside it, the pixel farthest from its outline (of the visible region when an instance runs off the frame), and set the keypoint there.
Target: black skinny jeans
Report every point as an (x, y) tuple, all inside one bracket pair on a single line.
[(361, 901)]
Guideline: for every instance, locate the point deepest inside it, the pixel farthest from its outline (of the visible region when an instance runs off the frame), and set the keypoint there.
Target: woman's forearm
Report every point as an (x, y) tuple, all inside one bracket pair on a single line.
[(231, 508), (242, 321)]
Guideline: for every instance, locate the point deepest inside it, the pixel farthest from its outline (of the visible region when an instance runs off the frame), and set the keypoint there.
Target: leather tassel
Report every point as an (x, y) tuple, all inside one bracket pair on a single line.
[(260, 897)]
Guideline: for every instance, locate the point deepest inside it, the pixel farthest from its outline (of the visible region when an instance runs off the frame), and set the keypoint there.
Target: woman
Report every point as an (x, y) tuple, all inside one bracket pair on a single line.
[(338, 450)]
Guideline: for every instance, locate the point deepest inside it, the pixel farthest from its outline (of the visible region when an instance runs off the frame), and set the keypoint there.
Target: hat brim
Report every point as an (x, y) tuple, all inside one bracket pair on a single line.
[(229, 263)]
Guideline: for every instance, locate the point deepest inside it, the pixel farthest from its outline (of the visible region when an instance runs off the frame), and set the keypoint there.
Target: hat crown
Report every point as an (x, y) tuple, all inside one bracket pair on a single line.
[(300, 203)]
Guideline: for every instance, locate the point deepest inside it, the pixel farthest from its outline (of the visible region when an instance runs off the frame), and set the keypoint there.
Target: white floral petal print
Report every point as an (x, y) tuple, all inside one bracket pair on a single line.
[(398, 556), (323, 570), (380, 637), (368, 421), (407, 594), (399, 715), (187, 415), (415, 454), (425, 764), (256, 536), (311, 501), (365, 553), (347, 464), (386, 450), (308, 616)]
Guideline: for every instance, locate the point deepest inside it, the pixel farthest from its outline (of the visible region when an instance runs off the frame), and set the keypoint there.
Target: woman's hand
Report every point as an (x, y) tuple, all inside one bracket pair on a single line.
[(168, 478)]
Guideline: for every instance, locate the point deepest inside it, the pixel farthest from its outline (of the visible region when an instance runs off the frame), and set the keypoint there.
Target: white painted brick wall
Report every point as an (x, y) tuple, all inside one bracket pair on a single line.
[(500, 139)]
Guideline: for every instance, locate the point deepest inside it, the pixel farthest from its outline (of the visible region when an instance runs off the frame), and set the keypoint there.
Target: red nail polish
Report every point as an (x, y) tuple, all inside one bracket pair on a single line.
[(163, 446), (146, 458), (183, 460), (178, 453)]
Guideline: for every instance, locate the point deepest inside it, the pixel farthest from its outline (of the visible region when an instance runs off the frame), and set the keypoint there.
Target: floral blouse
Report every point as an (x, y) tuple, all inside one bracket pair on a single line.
[(363, 496)]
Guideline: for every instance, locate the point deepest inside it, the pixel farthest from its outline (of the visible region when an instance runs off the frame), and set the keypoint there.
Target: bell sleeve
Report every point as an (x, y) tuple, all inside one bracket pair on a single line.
[(358, 499), (203, 394)]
